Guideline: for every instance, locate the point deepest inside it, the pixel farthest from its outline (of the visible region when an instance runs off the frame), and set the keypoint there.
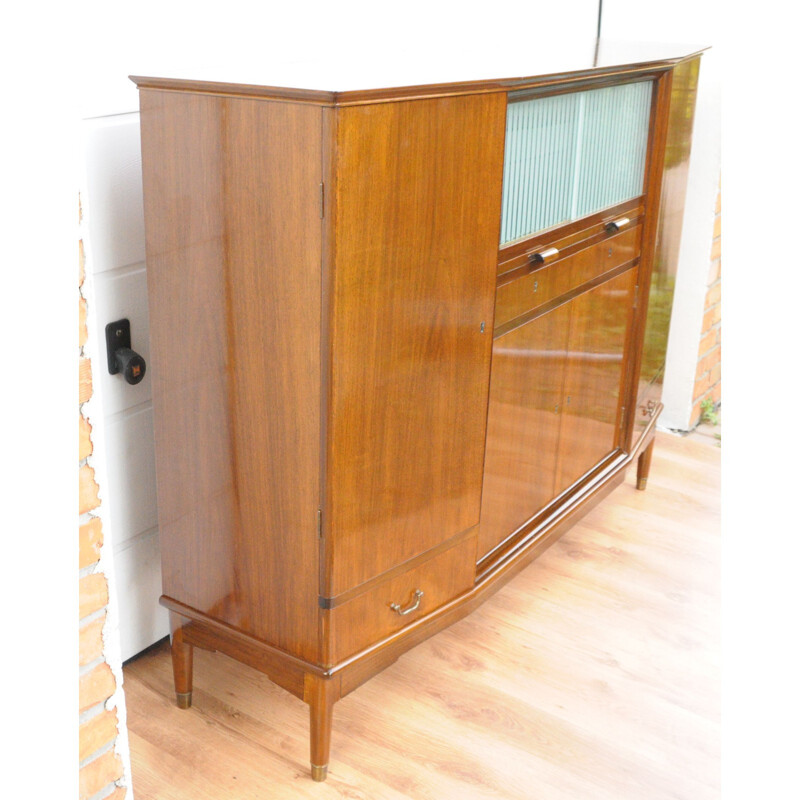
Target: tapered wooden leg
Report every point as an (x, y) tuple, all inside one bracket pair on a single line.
[(643, 466), (320, 694), (181, 662)]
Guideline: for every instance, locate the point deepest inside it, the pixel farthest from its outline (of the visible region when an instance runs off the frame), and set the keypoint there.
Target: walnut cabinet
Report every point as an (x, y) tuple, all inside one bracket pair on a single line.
[(401, 340)]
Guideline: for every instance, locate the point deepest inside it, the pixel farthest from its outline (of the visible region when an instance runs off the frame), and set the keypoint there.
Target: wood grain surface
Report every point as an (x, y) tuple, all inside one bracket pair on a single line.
[(594, 673), (412, 285), (599, 326), (522, 435), (231, 192)]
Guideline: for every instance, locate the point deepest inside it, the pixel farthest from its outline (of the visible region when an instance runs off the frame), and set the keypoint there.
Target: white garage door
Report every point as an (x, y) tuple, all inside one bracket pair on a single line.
[(121, 414)]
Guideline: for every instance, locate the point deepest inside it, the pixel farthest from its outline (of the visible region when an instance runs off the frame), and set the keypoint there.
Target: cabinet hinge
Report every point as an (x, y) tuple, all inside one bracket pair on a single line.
[(319, 523), (321, 200)]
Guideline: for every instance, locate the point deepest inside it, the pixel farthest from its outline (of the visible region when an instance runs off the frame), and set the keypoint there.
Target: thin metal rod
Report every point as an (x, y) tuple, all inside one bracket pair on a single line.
[(599, 30)]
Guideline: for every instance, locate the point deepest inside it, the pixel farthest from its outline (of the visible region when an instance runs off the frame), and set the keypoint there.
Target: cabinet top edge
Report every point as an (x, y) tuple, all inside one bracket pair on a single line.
[(599, 67)]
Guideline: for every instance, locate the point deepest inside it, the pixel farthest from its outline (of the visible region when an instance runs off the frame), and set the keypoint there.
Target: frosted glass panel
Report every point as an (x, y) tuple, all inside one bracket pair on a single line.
[(613, 146), (571, 155), (539, 168)]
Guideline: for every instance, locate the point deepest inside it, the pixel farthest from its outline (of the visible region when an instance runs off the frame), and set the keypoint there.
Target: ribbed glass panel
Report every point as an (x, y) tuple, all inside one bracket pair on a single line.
[(571, 155), (613, 147), (539, 169)]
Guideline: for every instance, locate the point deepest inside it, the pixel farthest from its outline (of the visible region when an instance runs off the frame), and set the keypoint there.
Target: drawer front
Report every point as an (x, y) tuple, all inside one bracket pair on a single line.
[(396, 602), (530, 291), (604, 256)]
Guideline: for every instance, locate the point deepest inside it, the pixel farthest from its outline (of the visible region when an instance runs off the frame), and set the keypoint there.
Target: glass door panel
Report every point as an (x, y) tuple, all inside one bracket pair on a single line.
[(594, 377), (568, 156), (522, 433), (613, 146)]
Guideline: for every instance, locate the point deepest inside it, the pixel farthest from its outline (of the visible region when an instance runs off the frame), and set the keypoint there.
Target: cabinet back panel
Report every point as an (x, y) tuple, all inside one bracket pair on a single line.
[(418, 214), (231, 188)]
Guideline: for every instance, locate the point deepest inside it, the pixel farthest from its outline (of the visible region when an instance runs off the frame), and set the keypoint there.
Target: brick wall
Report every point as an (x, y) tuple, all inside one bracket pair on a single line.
[(708, 378), (100, 766)]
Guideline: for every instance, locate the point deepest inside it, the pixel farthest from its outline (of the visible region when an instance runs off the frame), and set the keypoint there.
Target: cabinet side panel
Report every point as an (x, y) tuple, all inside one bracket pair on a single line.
[(233, 260), (418, 222), (670, 223)]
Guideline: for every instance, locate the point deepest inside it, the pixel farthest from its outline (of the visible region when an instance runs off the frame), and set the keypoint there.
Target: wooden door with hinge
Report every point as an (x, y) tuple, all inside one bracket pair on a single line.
[(600, 321), (417, 210), (522, 434)]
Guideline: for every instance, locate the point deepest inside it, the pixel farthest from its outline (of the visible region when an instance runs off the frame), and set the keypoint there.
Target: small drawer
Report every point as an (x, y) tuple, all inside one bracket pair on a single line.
[(529, 291), (401, 600), (604, 256), (526, 293)]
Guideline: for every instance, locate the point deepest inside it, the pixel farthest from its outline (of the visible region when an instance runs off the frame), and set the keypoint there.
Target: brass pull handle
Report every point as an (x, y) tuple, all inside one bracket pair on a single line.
[(413, 607), (617, 224), (542, 256)]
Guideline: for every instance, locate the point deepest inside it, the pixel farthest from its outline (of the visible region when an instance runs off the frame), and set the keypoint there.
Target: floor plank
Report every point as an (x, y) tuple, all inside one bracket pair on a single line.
[(594, 673)]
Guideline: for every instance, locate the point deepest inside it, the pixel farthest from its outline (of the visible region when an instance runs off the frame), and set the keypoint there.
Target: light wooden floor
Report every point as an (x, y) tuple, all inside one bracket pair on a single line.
[(594, 674)]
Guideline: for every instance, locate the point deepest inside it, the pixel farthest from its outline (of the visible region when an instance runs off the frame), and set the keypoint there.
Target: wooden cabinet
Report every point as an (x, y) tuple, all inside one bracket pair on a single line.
[(397, 339)]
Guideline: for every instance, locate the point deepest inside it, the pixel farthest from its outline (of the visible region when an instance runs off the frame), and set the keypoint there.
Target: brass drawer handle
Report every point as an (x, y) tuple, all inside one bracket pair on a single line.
[(543, 256), (413, 607), (617, 224)]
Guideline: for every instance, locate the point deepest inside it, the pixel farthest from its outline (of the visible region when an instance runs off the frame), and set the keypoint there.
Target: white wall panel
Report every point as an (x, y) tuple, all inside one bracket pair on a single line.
[(114, 188), (138, 585), (121, 414), (131, 483), (696, 22), (118, 294)]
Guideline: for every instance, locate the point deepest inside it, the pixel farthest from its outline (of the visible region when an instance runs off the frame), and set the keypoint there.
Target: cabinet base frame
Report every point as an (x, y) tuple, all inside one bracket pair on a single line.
[(321, 687)]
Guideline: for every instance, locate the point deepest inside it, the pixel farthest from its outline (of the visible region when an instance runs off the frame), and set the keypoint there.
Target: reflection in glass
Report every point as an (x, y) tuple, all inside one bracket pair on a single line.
[(570, 155)]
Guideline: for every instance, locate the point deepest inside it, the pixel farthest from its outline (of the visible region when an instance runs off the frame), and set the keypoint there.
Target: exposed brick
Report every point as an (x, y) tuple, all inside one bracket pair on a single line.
[(82, 334), (711, 317), (701, 386), (716, 249), (709, 340), (700, 371), (716, 393), (118, 794), (97, 733), (96, 686), (718, 208), (90, 537), (90, 640), (714, 294), (714, 271), (81, 263), (84, 380), (696, 412), (98, 774), (84, 438), (93, 594), (694, 419), (87, 490), (716, 373), (717, 227), (707, 363)]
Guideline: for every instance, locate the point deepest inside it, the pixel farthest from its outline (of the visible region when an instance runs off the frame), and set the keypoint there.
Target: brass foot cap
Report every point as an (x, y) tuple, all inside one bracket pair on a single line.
[(184, 699), (319, 773), (641, 484)]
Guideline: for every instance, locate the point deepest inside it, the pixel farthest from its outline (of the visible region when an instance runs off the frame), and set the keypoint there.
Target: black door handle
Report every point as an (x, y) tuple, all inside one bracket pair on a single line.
[(121, 358)]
